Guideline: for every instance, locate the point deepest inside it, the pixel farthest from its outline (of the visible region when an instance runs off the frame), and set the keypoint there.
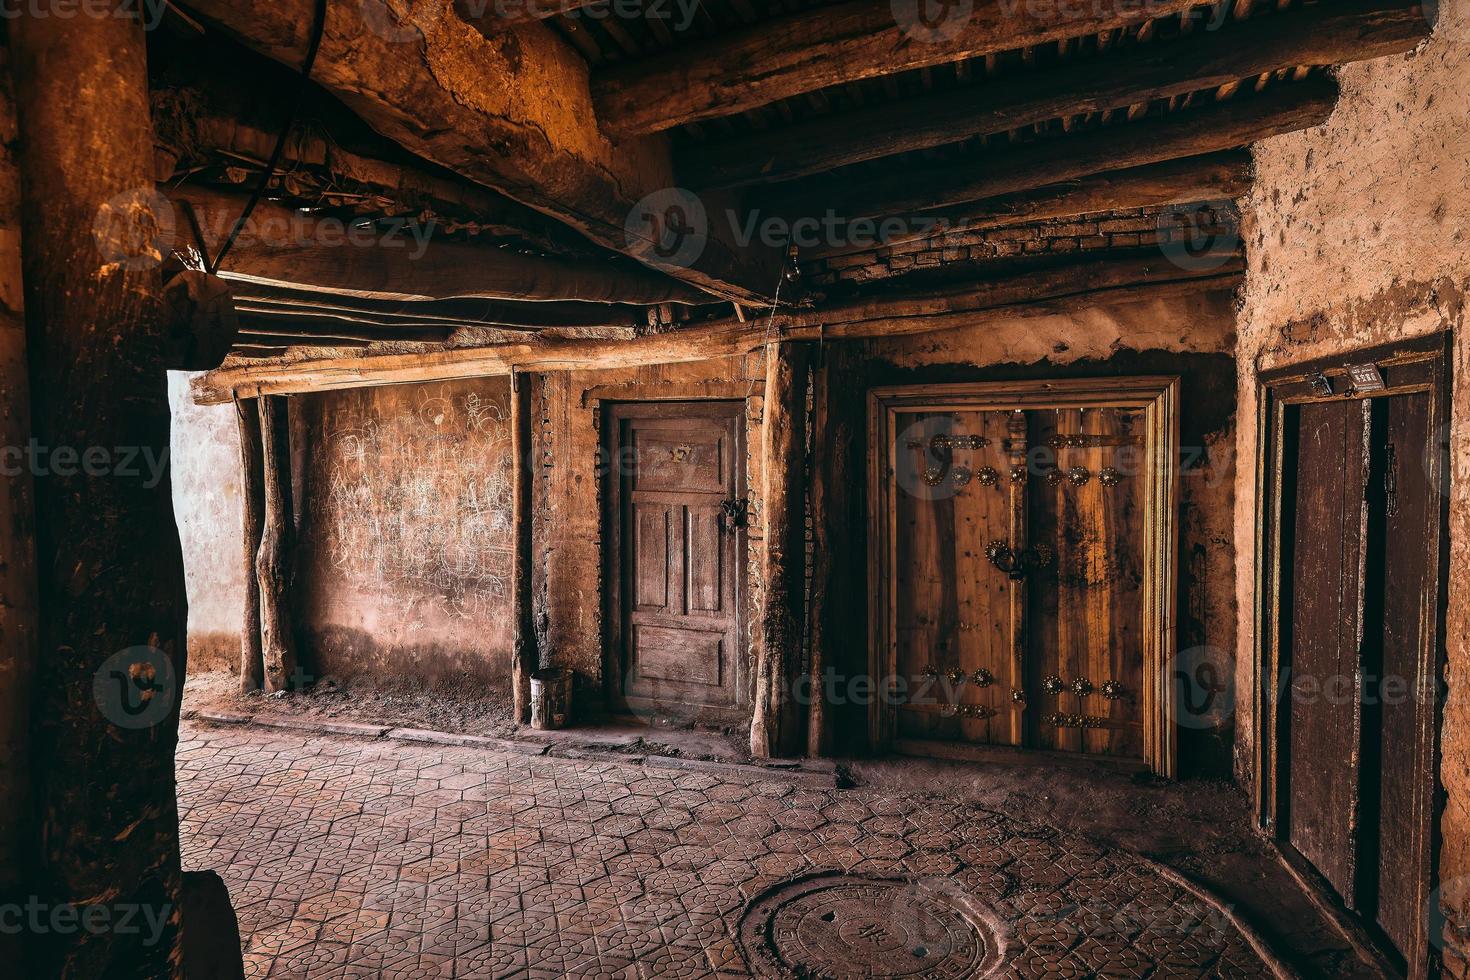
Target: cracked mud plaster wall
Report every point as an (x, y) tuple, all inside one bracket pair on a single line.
[(1357, 232), (204, 444)]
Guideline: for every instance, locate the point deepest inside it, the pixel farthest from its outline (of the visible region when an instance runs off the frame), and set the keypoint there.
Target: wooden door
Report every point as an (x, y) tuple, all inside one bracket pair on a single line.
[(677, 534), (1355, 538), (1086, 604), (957, 617)]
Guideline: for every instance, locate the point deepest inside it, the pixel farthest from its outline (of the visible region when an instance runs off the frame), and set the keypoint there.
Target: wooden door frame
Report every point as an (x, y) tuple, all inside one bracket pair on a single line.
[(1158, 398), (1420, 365), (610, 415)]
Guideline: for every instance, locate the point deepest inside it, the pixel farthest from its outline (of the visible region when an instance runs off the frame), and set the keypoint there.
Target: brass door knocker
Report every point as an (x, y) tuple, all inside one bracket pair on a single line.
[(1018, 566)]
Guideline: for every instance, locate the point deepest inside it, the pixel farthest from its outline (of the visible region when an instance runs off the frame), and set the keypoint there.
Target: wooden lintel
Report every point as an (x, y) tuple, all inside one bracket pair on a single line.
[(1216, 127), (1321, 34), (833, 45), (1058, 291)]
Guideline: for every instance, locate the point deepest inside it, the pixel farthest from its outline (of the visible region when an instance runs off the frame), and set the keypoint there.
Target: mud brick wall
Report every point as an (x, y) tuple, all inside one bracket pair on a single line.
[(1358, 233), (404, 566)]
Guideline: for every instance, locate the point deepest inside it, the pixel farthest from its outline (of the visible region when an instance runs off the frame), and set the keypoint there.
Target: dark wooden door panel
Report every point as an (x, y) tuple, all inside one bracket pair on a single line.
[(676, 588), (1326, 589), (1086, 611), (1404, 579)]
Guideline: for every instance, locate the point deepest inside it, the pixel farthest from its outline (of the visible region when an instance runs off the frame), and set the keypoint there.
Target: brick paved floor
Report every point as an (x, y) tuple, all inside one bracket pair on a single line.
[(372, 858)]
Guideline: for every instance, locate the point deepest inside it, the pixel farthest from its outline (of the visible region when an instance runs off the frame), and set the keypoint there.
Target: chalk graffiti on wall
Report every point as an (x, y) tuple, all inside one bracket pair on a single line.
[(416, 503)]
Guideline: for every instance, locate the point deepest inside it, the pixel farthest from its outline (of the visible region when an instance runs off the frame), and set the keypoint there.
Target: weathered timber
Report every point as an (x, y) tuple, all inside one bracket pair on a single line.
[(306, 326), (506, 315), (489, 17), (776, 725), (832, 45), (18, 613), (513, 113), (1049, 292), (272, 560), (826, 452), (1220, 176), (1216, 127), (1322, 34), (524, 655), (109, 567), (252, 512), (283, 246)]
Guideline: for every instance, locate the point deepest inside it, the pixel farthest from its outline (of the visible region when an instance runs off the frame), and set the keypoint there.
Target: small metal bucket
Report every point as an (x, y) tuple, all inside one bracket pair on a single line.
[(551, 698)]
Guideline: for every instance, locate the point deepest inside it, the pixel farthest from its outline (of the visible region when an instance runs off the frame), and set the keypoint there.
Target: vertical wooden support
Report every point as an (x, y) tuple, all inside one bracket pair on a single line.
[(824, 452), (776, 725), (252, 507), (17, 532), (524, 656), (272, 562), (109, 567)]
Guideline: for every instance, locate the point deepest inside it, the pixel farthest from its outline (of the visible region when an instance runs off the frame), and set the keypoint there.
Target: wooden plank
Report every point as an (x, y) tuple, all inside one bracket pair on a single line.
[(252, 509), (832, 45), (284, 247), (1322, 34), (272, 561), (513, 112), (525, 658), (776, 724), (1070, 289), (1210, 129)]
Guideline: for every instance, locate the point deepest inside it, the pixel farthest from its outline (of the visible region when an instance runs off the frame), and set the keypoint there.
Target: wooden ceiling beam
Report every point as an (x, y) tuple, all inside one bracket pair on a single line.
[(908, 190), (285, 247), (1059, 290), (834, 45), (1211, 177), (512, 112), (478, 314), (1321, 34), (491, 16)]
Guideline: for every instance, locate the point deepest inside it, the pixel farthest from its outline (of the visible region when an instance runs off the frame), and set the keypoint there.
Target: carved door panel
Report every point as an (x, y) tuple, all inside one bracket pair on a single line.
[(677, 502), (1085, 610), (956, 616)]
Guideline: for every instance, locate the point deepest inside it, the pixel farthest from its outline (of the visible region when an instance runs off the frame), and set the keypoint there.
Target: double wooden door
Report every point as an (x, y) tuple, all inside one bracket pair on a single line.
[(1018, 598), (1357, 549), (676, 523)]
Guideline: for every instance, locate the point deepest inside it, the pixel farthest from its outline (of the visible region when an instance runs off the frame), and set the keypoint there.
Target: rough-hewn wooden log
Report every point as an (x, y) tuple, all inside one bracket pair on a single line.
[(1322, 34), (1189, 180), (824, 465), (252, 521), (1048, 292), (110, 570), (489, 17), (832, 45), (272, 560), (1218, 126), (504, 315), (776, 725), (283, 246), (524, 654), (18, 612), (513, 112)]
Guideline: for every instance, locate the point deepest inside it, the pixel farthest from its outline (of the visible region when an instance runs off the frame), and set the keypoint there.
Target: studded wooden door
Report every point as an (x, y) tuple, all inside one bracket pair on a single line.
[(676, 516), (1023, 566)]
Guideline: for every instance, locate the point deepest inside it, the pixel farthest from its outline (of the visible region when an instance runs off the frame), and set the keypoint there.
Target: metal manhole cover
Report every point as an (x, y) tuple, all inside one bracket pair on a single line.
[(842, 926)]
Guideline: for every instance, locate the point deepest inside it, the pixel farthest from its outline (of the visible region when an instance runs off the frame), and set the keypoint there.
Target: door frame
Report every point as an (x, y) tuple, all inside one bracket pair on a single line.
[(610, 415), (1157, 397), (1411, 366)]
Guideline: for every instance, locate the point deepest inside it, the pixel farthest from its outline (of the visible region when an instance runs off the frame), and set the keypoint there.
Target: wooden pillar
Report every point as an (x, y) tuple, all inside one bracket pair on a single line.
[(252, 508), (823, 469), (524, 655), (776, 728), (272, 560), (17, 533), (109, 568)]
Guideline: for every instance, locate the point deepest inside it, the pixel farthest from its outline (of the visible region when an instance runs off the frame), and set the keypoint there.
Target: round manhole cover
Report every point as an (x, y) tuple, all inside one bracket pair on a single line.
[(842, 926)]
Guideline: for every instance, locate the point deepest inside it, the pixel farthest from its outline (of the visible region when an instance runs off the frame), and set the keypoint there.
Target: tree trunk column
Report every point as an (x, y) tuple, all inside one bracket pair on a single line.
[(776, 728), (110, 573), (17, 533), (524, 656), (252, 514), (273, 559)]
